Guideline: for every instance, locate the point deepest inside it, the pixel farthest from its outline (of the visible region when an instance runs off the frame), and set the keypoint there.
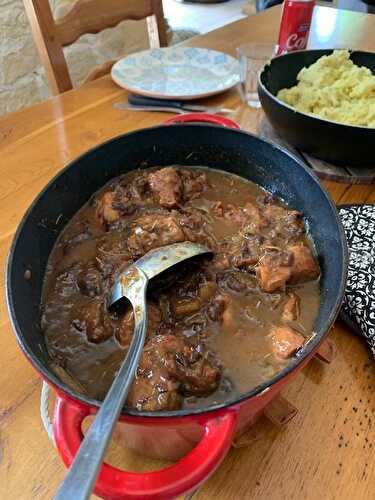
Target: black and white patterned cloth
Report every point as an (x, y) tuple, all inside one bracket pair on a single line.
[(358, 309)]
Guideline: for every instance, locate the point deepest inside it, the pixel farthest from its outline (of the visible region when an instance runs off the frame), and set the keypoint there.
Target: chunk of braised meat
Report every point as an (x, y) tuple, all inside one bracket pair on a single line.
[(129, 196), (248, 215), (170, 367), (152, 231), (284, 223), (138, 189), (194, 183), (89, 280), (237, 281), (250, 253), (105, 211), (255, 221), (152, 392), (122, 199), (166, 187), (243, 250), (125, 326), (91, 319), (237, 215), (255, 214), (246, 250), (274, 270), (285, 342), (196, 227), (189, 364), (191, 304), (199, 377), (305, 267), (291, 308)]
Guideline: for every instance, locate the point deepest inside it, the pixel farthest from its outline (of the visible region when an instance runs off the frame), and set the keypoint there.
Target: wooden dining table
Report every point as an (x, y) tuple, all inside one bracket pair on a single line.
[(328, 450)]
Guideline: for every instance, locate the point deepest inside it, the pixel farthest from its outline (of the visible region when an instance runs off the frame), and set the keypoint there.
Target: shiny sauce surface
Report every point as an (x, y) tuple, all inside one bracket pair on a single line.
[(220, 326)]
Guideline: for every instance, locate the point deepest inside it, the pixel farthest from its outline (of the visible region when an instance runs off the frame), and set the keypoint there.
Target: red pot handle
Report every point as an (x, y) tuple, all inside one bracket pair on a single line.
[(170, 482), (203, 117)]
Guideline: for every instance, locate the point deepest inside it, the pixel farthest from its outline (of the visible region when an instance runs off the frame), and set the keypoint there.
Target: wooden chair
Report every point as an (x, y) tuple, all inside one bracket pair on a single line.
[(86, 16)]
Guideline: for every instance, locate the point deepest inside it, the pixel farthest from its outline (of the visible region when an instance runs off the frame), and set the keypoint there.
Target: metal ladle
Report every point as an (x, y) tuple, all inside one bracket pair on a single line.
[(132, 284)]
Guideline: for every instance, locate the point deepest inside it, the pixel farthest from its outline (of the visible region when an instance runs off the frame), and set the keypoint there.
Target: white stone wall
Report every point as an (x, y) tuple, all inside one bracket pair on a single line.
[(22, 80)]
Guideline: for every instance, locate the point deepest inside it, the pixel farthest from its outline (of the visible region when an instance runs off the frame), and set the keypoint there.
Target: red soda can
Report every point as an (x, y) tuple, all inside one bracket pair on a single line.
[(295, 25)]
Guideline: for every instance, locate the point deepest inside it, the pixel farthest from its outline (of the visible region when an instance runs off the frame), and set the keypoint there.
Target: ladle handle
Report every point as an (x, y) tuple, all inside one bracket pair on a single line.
[(81, 476)]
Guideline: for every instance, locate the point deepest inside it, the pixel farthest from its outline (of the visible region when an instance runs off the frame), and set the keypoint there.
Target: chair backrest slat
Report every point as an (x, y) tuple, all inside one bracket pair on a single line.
[(86, 16), (93, 16)]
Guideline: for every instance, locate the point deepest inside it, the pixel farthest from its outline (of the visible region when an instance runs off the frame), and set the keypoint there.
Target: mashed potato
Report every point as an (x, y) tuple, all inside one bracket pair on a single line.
[(336, 89)]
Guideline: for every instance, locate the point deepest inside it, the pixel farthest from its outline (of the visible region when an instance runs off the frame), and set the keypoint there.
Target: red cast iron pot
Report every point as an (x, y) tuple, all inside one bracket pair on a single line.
[(198, 438)]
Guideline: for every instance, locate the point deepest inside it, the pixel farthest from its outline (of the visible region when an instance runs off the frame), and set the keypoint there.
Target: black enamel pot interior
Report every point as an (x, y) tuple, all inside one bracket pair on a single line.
[(220, 148), (334, 142)]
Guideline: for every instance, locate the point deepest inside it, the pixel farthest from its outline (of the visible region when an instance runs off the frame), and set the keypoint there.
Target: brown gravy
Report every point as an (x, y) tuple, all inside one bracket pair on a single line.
[(220, 329)]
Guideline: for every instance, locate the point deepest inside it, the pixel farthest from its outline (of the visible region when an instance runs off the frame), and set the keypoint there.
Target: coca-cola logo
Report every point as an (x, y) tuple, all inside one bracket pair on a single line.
[(294, 42)]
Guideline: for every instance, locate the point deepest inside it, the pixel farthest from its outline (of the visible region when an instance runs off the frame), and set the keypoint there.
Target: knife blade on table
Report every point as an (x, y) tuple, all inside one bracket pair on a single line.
[(148, 102), (131, 107)]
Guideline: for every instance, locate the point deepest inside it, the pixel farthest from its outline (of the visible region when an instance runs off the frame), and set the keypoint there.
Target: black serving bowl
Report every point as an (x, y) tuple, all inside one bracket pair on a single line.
[(331, 141)]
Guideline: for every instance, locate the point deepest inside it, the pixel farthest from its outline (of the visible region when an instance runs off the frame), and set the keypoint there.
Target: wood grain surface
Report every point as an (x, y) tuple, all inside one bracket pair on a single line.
[(327, 451)]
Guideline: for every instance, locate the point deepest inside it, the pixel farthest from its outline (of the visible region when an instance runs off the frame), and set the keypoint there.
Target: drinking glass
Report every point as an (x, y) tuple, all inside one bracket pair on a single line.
[(252, 57)]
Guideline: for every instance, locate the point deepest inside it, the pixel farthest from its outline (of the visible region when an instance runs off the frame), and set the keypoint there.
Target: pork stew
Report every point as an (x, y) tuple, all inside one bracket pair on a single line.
[(221, 327)]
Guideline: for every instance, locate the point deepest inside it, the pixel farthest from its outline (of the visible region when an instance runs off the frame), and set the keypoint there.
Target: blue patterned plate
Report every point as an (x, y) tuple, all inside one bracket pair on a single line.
[(176, 72)]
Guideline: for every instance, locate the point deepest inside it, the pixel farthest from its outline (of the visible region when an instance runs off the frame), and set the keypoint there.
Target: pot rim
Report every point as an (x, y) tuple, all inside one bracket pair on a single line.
[(302, 355)]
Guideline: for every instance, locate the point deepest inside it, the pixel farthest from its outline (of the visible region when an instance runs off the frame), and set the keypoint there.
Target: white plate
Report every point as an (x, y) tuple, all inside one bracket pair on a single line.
[(176, 73)]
